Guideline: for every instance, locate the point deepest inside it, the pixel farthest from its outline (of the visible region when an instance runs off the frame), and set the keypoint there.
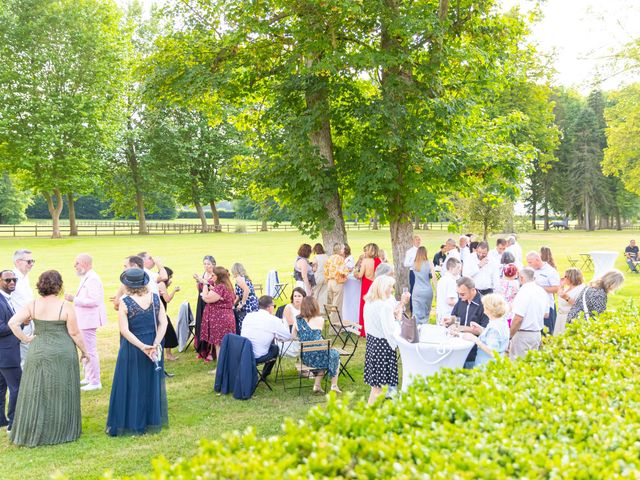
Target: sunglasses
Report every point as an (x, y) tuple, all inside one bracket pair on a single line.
[(9, 280), (30, 262)]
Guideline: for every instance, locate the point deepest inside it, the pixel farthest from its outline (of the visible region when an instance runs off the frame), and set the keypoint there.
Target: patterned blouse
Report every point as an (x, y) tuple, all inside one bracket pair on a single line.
[(596, 300), (251, 305)]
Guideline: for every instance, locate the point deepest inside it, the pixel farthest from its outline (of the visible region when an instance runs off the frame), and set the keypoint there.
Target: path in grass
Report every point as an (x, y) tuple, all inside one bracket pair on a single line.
[(194, 411)]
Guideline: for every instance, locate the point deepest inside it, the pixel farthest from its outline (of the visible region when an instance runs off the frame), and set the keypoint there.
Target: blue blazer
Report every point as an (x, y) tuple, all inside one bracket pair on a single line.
[(236, 370), (9, 343)]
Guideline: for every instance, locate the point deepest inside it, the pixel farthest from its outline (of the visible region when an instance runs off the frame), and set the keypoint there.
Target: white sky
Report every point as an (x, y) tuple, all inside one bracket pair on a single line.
[(582, 35)]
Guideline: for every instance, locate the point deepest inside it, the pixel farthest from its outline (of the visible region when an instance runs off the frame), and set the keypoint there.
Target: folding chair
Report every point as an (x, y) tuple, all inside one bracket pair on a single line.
[(343, 328), (261, 378), (573, 261), (346, 332), (280, 292), (587, 263), (308, 347), (257, 287)]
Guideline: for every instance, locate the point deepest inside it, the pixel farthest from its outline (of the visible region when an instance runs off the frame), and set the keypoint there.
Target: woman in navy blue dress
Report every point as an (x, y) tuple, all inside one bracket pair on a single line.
[(138, 401)]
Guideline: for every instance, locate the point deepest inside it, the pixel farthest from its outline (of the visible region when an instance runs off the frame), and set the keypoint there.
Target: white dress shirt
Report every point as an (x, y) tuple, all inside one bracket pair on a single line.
[(153, 282), (446, 289), (464, 254), (379, 321), (484, 277), (547, 276), (261, 328), (410, 257), (495, 256), (516, 250), (532, 304), (23, 293)]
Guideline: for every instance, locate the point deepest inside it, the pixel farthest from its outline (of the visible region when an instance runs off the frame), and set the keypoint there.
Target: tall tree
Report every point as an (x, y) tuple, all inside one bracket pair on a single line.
[(60, 64), (14, 201)]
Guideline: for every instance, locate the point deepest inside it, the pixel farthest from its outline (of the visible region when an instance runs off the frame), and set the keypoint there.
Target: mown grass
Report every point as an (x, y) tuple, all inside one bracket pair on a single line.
[(194, 410)]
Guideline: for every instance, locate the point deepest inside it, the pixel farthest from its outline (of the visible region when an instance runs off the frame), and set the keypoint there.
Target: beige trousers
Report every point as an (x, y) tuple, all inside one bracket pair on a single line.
[(335, 294), (522, 342)]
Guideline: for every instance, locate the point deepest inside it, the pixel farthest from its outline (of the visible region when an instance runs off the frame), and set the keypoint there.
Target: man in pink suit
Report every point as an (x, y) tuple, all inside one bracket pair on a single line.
[(91, 314)]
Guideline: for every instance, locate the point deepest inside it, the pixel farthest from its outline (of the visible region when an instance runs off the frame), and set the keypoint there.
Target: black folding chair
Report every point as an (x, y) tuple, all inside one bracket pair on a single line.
[(280, 292), (348, 334), (261, 377)]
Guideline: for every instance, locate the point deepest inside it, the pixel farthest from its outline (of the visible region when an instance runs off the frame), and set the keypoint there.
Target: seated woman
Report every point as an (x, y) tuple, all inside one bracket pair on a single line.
[(593, 299), (292, 310), (494, 338), (309, 328), (380, 360)]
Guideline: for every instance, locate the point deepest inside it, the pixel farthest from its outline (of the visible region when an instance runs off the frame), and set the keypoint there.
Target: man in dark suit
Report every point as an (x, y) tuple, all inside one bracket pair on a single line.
[(10, 371)]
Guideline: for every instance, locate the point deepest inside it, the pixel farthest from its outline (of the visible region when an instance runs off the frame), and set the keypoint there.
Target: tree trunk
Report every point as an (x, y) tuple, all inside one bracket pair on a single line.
[(485, 229), (55, 209), (203, 218), (264, 227), (136, 177), (317, 99), (374, 223), (73, 227), (546, 216), (416, 223), (401, 241), (618, 219), (215, 215), (534, 214), (587, 219)]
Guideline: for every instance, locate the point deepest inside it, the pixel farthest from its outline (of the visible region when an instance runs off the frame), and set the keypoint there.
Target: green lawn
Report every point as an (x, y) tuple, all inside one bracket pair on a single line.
[(194, 410)]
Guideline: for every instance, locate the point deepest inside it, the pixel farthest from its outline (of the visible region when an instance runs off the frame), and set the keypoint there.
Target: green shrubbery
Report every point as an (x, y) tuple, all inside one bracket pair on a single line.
[(569, 411)]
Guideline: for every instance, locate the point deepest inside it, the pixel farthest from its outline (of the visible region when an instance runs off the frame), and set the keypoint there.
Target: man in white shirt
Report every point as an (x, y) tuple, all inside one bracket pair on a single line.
[(529, 310), (88, 303), (548, 278), (261, 328), (450, 249), (410, 258), (496, 253), (447, 289), (23, 261), (481, 269), (463, 242), (515, 248), (154, 277)]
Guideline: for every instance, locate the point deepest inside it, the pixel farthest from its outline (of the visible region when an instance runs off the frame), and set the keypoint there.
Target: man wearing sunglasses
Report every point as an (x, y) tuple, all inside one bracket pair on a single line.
[(10, 371), (23, 261)]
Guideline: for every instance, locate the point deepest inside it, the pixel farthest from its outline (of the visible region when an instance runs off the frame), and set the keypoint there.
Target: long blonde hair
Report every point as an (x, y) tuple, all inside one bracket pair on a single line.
[(421, 257), (378, 289)]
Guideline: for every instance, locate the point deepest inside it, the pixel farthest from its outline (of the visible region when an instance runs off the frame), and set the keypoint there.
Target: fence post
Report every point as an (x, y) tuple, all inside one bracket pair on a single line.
[(14, 230), (96, 230), (36, 229)]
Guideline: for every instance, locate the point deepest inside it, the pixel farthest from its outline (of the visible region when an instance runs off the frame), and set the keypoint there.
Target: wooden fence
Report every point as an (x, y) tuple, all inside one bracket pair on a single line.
[(102, 228)]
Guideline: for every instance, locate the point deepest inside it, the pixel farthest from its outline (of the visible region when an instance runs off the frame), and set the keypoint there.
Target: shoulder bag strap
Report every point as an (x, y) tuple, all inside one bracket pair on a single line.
[(584, 303)]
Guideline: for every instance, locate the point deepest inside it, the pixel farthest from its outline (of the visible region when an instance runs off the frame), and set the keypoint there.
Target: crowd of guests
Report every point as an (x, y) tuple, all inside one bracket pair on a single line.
[(496, 298)]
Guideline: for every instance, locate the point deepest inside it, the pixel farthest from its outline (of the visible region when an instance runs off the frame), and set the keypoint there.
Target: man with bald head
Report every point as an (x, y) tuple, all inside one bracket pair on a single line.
[(91, 313)]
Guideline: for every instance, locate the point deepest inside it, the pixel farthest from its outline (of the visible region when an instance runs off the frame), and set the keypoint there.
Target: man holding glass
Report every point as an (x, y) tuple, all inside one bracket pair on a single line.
[(23, 262), (469, 312)]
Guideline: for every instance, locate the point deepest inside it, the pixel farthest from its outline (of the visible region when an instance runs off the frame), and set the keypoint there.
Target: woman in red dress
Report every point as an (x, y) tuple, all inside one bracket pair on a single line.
[(217, 317), (365, 270)]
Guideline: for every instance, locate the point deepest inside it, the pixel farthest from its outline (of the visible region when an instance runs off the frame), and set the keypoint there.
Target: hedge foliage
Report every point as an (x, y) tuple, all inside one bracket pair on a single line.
[(569, 411)]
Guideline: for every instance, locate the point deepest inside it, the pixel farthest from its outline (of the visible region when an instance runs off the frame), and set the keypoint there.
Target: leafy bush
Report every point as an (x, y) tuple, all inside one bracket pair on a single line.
[(568, 411)]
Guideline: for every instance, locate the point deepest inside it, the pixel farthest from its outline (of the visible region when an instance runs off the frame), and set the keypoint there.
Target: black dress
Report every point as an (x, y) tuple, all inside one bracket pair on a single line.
[(170, 337), (202, 347)]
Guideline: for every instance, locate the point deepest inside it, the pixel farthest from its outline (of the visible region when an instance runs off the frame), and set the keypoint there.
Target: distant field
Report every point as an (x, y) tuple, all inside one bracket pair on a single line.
[(195, 411)]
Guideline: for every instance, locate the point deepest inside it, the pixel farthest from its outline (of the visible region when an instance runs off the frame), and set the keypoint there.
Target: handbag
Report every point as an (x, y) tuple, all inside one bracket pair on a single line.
[(159, 349), (409, 329)]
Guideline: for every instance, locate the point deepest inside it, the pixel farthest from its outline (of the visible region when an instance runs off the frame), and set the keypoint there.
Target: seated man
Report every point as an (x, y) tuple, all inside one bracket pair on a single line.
[(261, 328), (470, 311), (631, 256)]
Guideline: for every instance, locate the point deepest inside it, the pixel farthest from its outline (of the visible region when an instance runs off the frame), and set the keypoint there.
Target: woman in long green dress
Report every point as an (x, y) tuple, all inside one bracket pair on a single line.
[(48, 410)]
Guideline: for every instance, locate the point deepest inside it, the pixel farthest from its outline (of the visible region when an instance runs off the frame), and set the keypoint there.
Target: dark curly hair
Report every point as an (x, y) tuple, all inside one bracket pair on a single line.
[(49, 283)]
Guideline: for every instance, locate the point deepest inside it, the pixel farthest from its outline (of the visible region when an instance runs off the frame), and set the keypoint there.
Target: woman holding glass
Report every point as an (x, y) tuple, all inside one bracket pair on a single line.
[(138, 402)]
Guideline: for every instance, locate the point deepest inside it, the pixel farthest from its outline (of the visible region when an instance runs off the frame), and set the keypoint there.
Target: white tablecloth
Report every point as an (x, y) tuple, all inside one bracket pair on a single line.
[(603, 261), (351, 300), (425, 359)]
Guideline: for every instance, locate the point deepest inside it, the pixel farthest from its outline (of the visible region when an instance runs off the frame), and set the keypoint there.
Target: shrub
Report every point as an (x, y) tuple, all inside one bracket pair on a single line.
[(568, 411)]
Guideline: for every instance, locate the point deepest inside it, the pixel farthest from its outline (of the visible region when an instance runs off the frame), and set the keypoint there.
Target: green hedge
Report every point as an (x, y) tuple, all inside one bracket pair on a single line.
[(569, 411)]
